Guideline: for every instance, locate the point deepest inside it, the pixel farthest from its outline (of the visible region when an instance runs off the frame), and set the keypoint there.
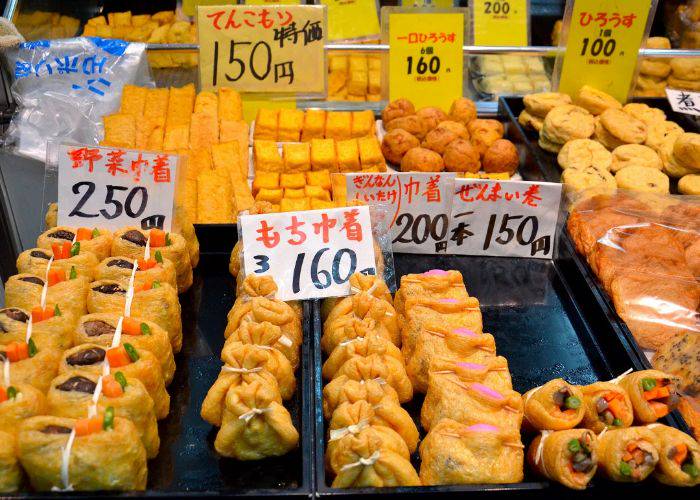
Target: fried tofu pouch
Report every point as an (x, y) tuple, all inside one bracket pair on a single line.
[(360, 306), (260, 309), (364, 463), (679, 457), (254, 424), (53, 333), (37, 370), (454, 453), (35, 260), (569, 457), (359, 282), (119, 269), (607, 405), (96, 241), (262, 286), (359, 347), (90, 357), (555, 405), (71, 394), (627, 455), (266, 335), (653, 394), (390, 370), (436, 283), (41, 442), (131, 242), (343, 435), (159, 305), (99, 328), (28, 401), (346, 390), (24, 291), (273, 361), (10, 471)]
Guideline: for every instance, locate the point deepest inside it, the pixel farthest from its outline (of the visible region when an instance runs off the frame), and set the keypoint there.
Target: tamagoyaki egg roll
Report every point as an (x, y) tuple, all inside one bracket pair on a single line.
[(627, 455), (10, 471), (67, 257), (71, 395), (67, 291), (654, 394), (156, 268), (555, 405), (157, 302), (569, 457), (94, 240), (267, 335), (99, 328), (106, 453), (607, 405), (19, 402), (48, 329), (679, 457), (30, 363), (133, 362)]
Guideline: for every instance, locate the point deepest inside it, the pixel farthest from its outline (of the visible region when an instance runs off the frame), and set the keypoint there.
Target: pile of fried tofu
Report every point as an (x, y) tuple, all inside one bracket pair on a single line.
[(355, 77), (296, 125), (40, 24)]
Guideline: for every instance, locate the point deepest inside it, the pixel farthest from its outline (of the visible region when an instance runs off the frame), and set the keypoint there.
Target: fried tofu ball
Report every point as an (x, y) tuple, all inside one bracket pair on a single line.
[(432, 116), (422, 160), (461, 156), (397, 109), (501, 156), (463, 110), (396, 143), (412, 124), (485, 124)]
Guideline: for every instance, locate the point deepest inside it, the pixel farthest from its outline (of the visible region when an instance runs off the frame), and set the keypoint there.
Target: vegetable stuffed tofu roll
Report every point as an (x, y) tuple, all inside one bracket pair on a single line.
[(99, 328), (555, 405), (653, 393), (10, 472), (627, 455), (607, 406), (254, 424), (96, 241), (133, 362), (106, 453), (156, 302), (19, 402), (131, 242), (679, 457), (48, 329), (156, 268), (30, 363), (70, 258), (71, 395), (66, 292), (568, 457), (454, 453)]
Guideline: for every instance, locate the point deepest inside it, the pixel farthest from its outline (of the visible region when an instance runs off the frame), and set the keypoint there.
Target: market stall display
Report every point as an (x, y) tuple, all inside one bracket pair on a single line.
[(354, 77), (509, 74)]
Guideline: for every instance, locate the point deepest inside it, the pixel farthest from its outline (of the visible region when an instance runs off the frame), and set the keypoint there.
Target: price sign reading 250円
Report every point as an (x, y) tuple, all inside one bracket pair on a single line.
[(263, 48), (425, 57)]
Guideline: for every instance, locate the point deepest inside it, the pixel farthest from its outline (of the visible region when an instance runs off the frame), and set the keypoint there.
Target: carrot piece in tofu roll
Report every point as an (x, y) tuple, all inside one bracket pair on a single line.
[(70, 294), (679, 457), (30, 363), (556, 405), (607, 405), (654, 394), (94, 240), (71, 258), (569, 457), (627, 455)]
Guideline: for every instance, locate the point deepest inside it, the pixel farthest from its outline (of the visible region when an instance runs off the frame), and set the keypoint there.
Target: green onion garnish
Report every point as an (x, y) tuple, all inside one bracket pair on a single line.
[(73, 273), (108, 422), (648, 384), (133, 355), (145, 329), (75, 249), (11, 392), (119, 377), (156, 284), (574, 446), (572, 402), (32, 348), (625, 469), (56, 311), (95, 233), (159, 257)]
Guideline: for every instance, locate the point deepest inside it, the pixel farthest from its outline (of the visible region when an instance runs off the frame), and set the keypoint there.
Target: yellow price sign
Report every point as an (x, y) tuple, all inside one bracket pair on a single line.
[(348, 19), (426, 63), (272, 2), (501, 22), (603, 43), (252, 48)]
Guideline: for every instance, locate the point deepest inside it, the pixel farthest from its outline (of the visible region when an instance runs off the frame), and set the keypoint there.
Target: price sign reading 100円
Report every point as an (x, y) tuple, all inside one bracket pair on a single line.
[(263, 48), (425, 58)]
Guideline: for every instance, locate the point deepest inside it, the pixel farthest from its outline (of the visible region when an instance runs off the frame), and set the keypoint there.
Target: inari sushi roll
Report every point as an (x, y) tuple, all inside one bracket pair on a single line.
[(131, 361), (131, 242), (30, 363), (10, 471), (70, 258), (19, 402), (627, 455), (95, 240), (155, 302), (67, 291), (156, 268), (99, 328), (106, 453), (48, 329), (71, 396)]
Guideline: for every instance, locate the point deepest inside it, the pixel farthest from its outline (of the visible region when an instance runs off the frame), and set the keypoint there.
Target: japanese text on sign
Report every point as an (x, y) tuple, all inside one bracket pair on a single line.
[(262, 48), (311, 254), (420, 206), (684, 101), (501, 22), (114, 187), (603, 43), (504, 218)]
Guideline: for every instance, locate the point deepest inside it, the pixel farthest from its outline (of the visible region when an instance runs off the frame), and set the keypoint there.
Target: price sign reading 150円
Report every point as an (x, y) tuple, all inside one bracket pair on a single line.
[(263, 48), (425, 57)]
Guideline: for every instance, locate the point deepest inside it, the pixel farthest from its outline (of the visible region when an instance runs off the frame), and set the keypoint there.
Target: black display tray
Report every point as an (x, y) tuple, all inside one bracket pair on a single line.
[(547, 326)]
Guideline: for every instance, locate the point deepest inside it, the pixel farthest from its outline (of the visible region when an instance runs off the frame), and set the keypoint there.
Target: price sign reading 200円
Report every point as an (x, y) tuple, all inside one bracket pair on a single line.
[(263, 48)]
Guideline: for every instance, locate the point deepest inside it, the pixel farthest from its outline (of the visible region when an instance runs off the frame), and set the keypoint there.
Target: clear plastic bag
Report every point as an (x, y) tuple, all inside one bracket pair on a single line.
[(63, 88)]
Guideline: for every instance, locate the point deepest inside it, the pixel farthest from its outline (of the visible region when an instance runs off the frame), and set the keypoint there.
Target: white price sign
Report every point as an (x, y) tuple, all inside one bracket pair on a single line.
[(420, 203), (113, 187), (684, 101), (311, 254), (504, 218)]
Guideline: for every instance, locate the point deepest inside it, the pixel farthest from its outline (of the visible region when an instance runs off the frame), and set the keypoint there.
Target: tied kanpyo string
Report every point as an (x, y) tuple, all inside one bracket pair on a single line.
[(130, 289), (247, 416), (285, 341), (336, 434), (45, 288), (6, 371), (28, 335), (65, 462), (234, 369), (540, 449), (617, 379), (365, 462)]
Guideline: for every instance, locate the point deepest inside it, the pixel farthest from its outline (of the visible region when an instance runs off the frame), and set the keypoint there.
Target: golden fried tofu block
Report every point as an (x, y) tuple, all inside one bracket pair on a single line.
[(338, 125), (314, 124), (363, 123), (317, 192), (357, 63), (120, 130), (230, 105), (187, 198), (293, 181), (242, 196), (374, 81), (297, 157), (337, 63), (180, 106), (323, 156), (289, 126), (270, 195), (374, 97), (339, 189), (204, 131), (89, 30), (320, 178), (357, 83), (498, 176), (97, 21), (225, 156), (121, 19), (371, 153), (348, 155), (214, 199), (198, 161), (103, 31), (374, 63), (266, 180), (176, 137), (336, 82), (140, 20), (142, 33), (156, 106), (266, 124), (294, 193), (294, 204), (206, 102), (267, 157), (159, 35), (237, 130), (148, 134), (317, 204), (164, 17), (374, 169)]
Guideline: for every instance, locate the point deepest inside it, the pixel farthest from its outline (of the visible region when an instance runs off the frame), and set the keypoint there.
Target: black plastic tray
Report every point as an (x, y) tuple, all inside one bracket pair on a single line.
[(545, 323)]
